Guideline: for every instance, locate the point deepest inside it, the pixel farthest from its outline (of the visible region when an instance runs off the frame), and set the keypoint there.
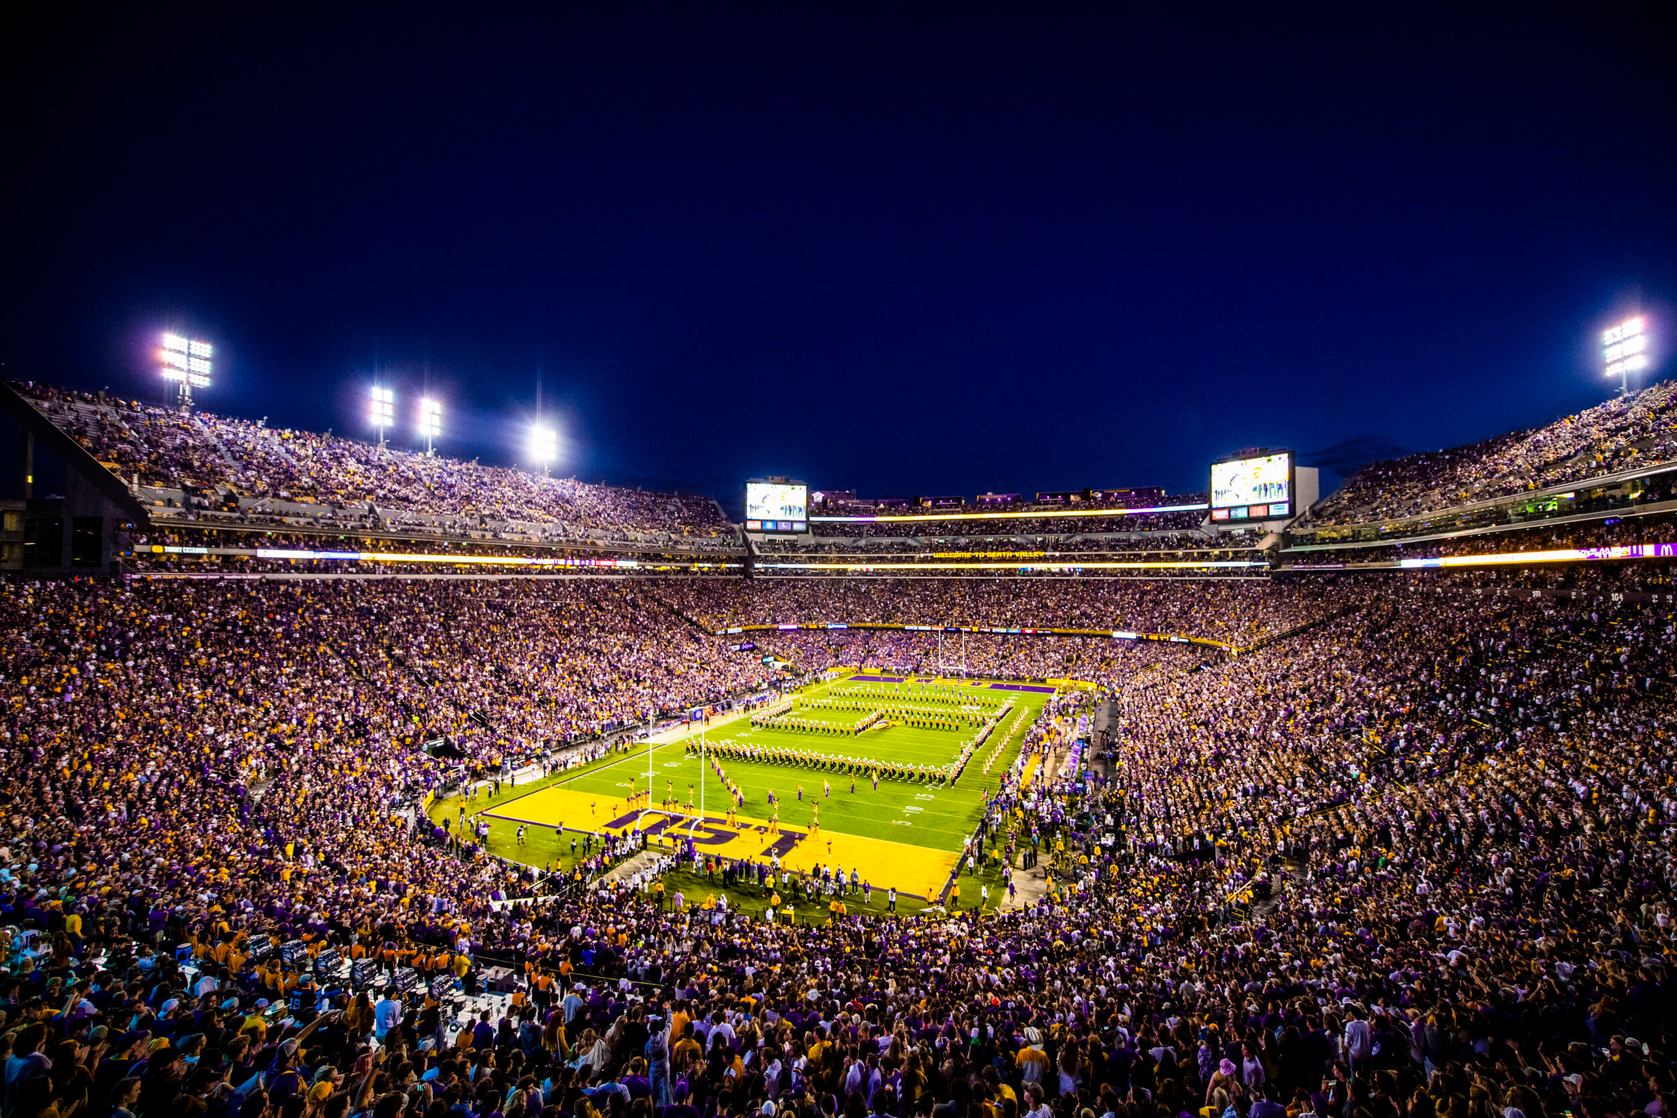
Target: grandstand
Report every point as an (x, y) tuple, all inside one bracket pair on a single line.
[(339, 776), (205, 470)]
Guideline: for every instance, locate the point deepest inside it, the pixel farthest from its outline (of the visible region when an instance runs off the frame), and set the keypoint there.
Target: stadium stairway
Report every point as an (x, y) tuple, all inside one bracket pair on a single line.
[(1288, 634), (221, 448), (1029, 887), (658, 603)]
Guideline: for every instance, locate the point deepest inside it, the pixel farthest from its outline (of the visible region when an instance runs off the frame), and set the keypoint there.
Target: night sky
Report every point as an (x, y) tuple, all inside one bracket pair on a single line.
[(928, 253)]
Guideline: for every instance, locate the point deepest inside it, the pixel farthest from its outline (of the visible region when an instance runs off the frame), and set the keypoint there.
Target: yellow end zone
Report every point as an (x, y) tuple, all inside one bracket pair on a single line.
[(913, 870)]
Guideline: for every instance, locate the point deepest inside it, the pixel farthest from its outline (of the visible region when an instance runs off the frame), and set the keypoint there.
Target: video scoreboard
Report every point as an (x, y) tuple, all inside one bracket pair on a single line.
[(1253, 487), (776, 506)]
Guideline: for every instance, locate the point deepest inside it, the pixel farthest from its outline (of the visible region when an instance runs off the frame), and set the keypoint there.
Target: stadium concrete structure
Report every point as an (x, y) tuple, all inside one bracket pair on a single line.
[(1106, 802)]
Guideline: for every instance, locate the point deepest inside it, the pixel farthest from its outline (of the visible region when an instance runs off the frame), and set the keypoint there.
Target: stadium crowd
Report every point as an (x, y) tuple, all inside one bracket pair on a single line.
[(1236, 612), (1046, 524), (1414, 860), (1196, 543), (979, 655), (162, 448), (1624, 433)]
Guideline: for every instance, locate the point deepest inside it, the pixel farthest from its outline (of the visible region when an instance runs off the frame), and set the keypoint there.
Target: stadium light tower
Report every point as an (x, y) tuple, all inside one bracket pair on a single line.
[(381, 410), (1625, 350), (544, 445), (185, 361), (430, 421)]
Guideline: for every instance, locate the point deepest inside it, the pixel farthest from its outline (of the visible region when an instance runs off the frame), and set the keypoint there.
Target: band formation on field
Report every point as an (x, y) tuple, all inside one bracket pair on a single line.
[(890, 776)]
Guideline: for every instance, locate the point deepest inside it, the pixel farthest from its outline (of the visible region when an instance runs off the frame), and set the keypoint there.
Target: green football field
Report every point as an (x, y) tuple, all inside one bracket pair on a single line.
[(905, 811), (904, 832)]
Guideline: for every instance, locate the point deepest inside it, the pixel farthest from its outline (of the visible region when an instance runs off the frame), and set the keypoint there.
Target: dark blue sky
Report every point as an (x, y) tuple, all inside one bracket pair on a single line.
[(935, 253)]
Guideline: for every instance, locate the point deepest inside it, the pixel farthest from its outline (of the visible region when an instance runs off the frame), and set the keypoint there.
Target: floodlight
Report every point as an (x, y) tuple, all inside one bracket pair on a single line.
[(1630, 327), (187, 362), (1625, 350), (430, 421), (381, 409), (543, 445)]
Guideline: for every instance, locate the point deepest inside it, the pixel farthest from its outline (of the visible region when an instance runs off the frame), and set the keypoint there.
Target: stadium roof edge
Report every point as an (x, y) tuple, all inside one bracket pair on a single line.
[(73, 454), (1564, 489)]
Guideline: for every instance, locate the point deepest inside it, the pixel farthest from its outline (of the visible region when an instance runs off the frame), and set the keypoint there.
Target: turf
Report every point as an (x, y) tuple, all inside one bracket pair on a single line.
[(929, 821), (932, 816)]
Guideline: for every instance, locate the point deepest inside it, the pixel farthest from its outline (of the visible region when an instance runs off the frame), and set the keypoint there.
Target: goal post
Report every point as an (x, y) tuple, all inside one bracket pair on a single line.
[(944, 666)]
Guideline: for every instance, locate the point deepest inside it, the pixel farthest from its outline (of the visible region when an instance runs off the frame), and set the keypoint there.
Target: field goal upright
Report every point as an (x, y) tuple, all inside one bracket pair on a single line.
[(945, 650)]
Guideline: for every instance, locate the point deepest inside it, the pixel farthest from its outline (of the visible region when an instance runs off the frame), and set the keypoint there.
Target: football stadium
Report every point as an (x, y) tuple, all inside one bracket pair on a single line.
[(838, 563), (351, 772)]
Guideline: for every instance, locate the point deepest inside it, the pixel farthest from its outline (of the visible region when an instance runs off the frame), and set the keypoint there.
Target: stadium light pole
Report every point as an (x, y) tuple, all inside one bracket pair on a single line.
[(186, 361), (381, 410), (543, 445), (430, 422), (1625, 350)]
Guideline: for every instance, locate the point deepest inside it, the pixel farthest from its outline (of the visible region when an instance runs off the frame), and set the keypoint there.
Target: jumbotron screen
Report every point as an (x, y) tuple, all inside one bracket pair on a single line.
[(776, 507), (1258, 488)]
